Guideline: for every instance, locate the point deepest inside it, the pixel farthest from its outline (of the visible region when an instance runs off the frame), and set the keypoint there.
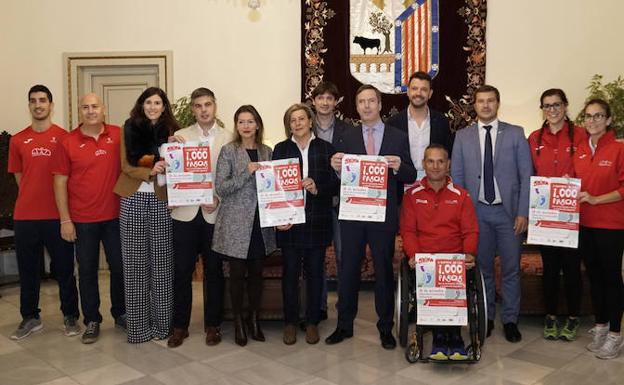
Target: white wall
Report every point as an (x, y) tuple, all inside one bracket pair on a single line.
[(533, 45), (243, 57)]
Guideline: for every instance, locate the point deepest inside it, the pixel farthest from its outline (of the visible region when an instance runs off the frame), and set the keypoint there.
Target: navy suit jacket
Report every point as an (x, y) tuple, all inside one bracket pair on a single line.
[(317, 229), (512, 166), (394, 142)]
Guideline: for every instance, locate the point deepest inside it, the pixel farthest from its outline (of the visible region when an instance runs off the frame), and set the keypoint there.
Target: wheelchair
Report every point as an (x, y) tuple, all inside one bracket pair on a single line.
[(406, 315)]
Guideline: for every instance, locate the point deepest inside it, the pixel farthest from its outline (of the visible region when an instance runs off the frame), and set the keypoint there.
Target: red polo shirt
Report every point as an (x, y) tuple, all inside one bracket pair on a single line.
[(555, 156), (92, 168), (438, 222), (600, 174), (30, 153)]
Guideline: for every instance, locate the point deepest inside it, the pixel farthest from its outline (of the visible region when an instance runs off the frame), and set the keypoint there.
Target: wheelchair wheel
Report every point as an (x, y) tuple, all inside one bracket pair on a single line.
[(402, 303), (481, 308), (412, 353)]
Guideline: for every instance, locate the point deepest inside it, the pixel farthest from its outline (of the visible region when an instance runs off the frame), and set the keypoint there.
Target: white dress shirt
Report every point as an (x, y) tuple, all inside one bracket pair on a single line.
[(419, 138)]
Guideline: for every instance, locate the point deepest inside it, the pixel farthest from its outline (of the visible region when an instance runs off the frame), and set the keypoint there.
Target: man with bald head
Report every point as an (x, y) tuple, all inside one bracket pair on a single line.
[(86, 167)]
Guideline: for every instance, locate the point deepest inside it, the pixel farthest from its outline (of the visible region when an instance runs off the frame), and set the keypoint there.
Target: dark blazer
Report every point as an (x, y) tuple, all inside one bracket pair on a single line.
[(340, 127), (317, 230), (394, 142), (440, 129)]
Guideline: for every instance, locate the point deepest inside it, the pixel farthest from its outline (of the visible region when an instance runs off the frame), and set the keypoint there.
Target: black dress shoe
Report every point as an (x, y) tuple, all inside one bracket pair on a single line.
[(338, 336), (387, 340), (490, 327), (512, 334)]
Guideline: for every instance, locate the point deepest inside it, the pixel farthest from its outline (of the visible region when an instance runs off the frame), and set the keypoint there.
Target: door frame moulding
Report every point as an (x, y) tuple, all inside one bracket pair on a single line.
[(73, 61)]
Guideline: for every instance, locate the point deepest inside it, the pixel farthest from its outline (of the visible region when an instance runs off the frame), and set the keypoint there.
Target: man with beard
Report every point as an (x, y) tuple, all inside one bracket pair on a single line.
[(422, 124), (36, 219)]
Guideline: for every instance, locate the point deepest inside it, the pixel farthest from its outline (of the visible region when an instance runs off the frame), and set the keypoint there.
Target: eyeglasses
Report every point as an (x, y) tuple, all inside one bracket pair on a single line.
[(555, 106), (595, 117)]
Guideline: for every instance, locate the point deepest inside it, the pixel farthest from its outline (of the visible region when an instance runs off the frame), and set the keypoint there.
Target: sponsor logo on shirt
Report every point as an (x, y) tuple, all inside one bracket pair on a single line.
[(583, 156), (451, 201), (40, 151), (28, 140), (421, 201), (100, 152), (605, 163)]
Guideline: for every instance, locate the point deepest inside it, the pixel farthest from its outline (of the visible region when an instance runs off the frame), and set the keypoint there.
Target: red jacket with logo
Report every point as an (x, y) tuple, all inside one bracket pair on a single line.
[(438, 222), (600, 174), (555, 157)]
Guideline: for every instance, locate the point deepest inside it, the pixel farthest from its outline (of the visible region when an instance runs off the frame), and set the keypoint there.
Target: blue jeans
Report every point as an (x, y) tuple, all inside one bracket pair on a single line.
[(88, 237), (30, 238)]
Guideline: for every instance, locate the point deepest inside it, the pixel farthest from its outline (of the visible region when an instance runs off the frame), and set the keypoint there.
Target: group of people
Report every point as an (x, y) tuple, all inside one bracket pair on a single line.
[(99, 183)]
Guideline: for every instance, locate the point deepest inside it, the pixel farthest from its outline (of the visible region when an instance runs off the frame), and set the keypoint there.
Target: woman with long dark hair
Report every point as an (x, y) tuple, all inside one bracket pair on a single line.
[(237, 233), (599, 163), (145, 222), (306, 243), (552, 149)]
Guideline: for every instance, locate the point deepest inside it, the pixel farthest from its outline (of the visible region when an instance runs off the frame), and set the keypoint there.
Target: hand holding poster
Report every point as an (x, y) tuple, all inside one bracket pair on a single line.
[(189, 174), (363, 188), (280, 194), (554, 211), (441, 289)]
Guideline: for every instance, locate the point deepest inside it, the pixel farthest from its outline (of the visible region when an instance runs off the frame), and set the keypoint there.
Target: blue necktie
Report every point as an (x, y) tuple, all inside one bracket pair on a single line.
[(488, 168)]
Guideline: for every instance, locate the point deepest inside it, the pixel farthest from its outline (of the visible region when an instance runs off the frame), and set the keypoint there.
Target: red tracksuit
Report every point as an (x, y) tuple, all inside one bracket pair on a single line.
[(601, 173), (438, 222), (554, 157)]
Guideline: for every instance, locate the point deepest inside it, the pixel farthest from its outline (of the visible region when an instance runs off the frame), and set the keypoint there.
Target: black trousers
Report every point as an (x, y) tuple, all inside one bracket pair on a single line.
[(313, 267), (355, 236), (246, 276), (556, 260), (602, 252), (30, 238), (189, 240)]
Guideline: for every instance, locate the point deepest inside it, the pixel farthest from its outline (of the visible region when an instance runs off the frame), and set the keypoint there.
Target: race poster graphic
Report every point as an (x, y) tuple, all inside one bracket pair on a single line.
[(363, 188), (280, 194), (554, 211), (189, 173), (441, 289)]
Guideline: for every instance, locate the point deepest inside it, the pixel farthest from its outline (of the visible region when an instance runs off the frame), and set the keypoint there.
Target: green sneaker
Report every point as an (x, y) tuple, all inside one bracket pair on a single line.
[(568, 333), (550, 328)]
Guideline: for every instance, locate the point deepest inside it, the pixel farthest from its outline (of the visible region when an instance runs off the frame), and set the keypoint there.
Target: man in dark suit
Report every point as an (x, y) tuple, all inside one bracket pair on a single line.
[(372, 137), (325, 98), (492, 160), (422, 124)]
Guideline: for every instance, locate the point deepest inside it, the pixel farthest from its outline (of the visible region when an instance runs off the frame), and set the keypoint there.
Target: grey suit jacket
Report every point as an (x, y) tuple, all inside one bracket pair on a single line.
[(239, 201), (512, 166)]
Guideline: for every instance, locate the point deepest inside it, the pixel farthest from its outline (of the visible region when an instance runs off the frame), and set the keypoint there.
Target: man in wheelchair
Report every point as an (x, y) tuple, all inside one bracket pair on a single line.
[(439, 217)]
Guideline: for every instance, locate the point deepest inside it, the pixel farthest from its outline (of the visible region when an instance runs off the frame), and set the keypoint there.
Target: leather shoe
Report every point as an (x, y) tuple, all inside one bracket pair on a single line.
[(387, 340), (213, 335), (177, 338), (290, 334), (253, 327), (240, 334), (338, 336), (512, 334), (490, 327), (312, 334)]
